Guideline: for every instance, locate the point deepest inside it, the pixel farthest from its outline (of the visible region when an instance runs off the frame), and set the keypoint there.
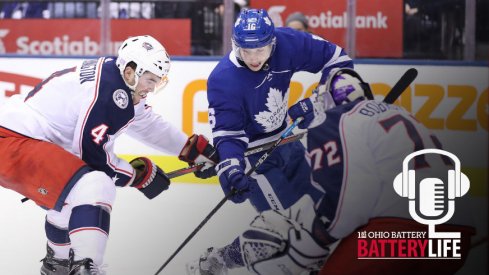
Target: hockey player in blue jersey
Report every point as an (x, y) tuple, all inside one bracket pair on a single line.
[(248, 93), (356, 147), (57, 148), (248, 99)]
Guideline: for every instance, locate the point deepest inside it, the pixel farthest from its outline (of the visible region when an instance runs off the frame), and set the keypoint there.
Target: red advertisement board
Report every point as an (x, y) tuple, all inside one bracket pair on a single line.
[(379, 28), (82, 36)]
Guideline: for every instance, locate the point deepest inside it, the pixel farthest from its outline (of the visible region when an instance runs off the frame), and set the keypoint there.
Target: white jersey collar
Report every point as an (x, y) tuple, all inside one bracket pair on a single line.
[(234, 59)]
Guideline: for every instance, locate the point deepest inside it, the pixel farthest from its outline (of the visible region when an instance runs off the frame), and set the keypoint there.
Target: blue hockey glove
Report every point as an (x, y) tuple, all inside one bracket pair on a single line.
[(231, 176), (311, 109)]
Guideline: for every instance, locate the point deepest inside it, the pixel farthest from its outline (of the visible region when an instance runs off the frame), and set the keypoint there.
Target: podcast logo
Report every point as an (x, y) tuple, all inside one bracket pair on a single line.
[(431, 202)]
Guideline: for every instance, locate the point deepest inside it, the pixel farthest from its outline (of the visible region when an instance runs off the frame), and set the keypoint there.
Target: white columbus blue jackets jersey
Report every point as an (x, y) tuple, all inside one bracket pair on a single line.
[(84, 109), (249, 108), (356, 153)]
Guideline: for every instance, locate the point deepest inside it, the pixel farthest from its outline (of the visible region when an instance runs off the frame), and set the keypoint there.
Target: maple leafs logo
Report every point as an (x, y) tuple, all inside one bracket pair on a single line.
[(277, 109)]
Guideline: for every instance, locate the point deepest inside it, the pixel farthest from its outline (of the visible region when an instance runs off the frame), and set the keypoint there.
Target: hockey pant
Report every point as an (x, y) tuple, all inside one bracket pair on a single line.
[(282, 179)]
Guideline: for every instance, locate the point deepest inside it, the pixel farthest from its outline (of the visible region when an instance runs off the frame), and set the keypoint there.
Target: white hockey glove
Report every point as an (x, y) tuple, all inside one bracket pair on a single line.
[(282, 242), (198, 149), (210, 263), (149, 179)]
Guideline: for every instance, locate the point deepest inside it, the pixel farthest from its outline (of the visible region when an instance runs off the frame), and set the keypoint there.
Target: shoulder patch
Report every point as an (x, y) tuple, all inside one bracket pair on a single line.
[(121, 98)]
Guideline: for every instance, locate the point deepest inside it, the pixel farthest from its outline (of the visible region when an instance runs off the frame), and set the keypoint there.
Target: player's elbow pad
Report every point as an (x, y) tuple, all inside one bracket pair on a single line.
[(150, 179)]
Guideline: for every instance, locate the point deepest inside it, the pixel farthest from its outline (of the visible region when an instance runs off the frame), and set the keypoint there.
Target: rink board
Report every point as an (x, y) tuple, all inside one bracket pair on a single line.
[(145, 233), (448, 97)]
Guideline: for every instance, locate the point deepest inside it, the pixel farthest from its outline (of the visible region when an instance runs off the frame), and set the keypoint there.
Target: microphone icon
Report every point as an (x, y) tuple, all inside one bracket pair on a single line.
[(436, 205)]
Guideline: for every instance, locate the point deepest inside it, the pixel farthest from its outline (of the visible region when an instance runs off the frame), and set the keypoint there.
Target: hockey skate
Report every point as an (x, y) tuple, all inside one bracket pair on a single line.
[(210, 263), (52, 265), (83, 267)]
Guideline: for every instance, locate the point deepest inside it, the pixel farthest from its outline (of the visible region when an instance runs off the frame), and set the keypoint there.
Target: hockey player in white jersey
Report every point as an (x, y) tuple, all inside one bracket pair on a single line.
[(356, 148), (56, 148)]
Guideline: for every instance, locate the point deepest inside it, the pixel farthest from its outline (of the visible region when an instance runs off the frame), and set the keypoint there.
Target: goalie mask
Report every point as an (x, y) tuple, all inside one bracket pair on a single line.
[(345, 85), (149, 56), (254, 31)]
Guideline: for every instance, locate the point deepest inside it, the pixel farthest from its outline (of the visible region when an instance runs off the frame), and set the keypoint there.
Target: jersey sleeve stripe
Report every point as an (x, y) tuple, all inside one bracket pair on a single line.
[(345, 179), (345, 168), (218, 134), (341, 59), (95, 97)]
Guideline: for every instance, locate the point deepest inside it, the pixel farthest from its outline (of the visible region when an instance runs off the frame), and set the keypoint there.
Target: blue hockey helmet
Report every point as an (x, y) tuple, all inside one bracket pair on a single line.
[(253, 29)]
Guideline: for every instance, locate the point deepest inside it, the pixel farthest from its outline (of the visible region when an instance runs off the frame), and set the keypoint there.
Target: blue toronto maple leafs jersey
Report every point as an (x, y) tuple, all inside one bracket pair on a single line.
[(249, 108)]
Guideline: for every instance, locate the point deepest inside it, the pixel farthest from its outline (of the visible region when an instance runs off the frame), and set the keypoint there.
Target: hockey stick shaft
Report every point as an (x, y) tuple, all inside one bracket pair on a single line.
[(232, 193), (402, 84), (275, 145), (251, 151)]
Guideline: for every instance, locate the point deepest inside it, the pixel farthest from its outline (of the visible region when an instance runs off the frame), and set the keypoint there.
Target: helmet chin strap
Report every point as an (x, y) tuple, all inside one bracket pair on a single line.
[(133, 87)]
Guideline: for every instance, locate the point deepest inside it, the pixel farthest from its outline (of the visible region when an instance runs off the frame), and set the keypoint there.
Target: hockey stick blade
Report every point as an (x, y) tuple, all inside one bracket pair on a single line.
[(233, 192), (402, 84), (251, 151)]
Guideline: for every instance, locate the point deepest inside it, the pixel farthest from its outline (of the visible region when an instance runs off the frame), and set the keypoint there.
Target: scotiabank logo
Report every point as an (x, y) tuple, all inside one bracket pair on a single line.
[(3, 33), (62, 45), (431, 202), (332, 20)]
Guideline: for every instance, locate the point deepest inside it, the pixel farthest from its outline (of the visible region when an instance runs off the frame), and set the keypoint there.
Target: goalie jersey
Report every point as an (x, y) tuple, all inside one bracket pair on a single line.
[(355, 155), (84, 109), (249, 108)]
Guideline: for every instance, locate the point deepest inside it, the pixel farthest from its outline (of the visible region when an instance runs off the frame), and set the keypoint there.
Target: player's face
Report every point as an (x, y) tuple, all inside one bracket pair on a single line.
[(255, 58), (147, 84)]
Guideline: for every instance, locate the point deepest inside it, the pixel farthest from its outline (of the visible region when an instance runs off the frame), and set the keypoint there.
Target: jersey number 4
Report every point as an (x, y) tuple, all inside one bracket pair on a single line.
[(98, 133)]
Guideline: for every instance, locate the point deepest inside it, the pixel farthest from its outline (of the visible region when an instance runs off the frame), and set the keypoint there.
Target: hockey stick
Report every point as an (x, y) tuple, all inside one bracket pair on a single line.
[(233, 191), (402, 84), (251, 151)]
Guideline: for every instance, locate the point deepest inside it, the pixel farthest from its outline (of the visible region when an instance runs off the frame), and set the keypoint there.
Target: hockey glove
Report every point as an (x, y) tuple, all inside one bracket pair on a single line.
[(149, 179), (232, 177), (198, 149), (311, 109)]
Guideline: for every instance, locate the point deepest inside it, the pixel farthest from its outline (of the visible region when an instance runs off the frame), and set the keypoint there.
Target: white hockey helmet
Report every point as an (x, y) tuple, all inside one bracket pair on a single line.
[(149, 56), (346, 85)]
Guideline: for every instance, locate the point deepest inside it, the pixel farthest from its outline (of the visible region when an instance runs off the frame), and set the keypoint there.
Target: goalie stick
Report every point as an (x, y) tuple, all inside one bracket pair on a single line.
[(262, 159), (251, 151), (401, 85)]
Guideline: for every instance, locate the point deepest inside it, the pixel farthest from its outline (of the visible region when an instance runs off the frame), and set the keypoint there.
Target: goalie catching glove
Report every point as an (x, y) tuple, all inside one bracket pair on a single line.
[(199, 150), (149, 179)]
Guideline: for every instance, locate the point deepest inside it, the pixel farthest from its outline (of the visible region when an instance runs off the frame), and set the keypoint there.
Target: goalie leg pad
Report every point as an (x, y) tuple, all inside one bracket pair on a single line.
[(282, 242)]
